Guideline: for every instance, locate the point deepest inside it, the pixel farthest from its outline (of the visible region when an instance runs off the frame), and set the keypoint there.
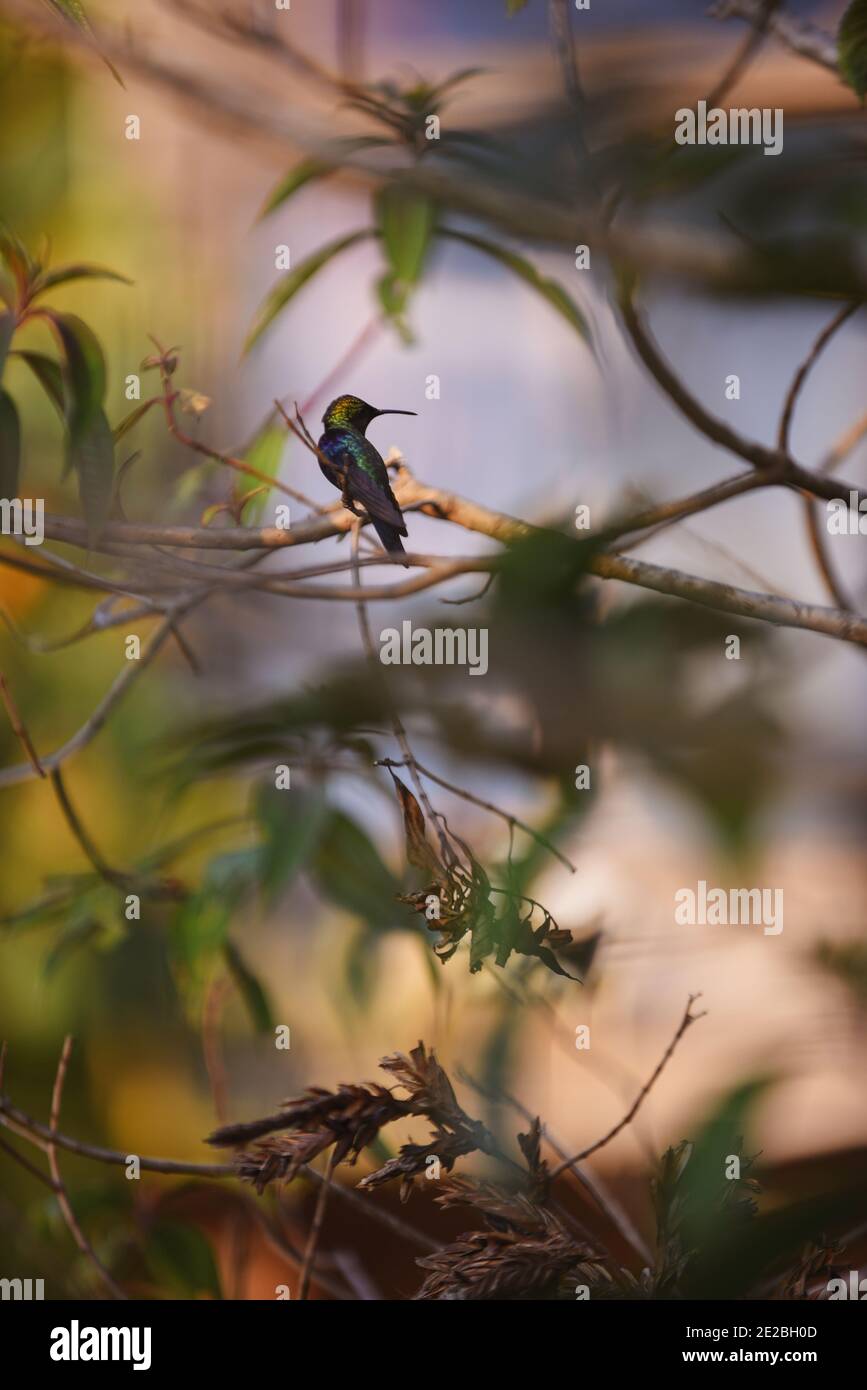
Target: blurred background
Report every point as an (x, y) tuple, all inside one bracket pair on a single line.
[(747, 773)]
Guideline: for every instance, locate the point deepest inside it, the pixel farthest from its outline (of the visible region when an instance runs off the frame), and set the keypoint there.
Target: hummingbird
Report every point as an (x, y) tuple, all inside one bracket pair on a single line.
[(357, 469)]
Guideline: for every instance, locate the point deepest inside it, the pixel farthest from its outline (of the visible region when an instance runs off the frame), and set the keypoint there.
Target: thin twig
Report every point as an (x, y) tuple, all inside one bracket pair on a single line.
[(688, 1019), (19, 728), (62, 1199), (30, 1167), (511, 820), (316, 1229), (745, 53), (112, 876), (605, 1202), (18, 1122), (841, 317)]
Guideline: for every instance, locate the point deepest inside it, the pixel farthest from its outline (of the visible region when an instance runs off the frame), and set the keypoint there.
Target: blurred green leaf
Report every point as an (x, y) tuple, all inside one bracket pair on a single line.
[(49, 376), (18, 261), (393, 295), (852, 47), (264, 454), (455, 80), (513, 6), (74, 13), (292, 823), (301, 174), (84, 372), (349, 872), (10, 446), (526, 271), (250, 989), (7, 329), (406, 221), (131, 420), (294, 280), (308, 170), (92, 457), (202, 924), (75, 934), (50, 279)]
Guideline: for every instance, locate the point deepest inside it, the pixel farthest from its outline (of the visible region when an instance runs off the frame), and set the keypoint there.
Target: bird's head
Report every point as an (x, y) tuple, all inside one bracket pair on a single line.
[(350, 412)]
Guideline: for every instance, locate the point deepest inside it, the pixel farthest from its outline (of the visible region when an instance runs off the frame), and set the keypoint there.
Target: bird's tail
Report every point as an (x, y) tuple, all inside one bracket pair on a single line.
[(390, 537)]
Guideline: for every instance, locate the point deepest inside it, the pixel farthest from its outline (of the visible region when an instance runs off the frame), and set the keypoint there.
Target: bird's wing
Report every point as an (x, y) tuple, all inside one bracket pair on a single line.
[(378, 501)]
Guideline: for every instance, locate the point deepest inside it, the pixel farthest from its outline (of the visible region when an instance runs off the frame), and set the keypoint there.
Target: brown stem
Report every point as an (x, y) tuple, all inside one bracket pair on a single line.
[(62, 1199), (512, 821), (19, 728), (688, 1019), (316, 1229)]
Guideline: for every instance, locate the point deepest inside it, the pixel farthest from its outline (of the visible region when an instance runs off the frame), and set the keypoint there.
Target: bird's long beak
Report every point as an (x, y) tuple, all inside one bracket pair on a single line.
[(396, 412)]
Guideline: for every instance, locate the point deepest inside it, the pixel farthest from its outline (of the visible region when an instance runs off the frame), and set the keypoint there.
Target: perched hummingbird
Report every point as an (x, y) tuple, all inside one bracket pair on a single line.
[(356, 468)]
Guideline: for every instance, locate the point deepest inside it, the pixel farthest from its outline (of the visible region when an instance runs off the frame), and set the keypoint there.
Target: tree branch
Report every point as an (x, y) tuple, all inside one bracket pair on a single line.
[(688, 1018), (803, 39), (63, 1202)]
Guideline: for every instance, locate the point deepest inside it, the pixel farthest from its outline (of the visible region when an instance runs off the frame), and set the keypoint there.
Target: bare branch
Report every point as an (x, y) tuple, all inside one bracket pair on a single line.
[(19, 728), (688, 1018), (63, 1202), (507, 816), (803, 39), (18, 1122), (840, 317), (316, 1229)]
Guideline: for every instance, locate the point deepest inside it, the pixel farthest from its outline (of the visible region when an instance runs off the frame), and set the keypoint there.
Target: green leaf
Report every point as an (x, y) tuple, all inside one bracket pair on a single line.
[(49, 376), (50, 280), (250, 989), (264, 454), (852, 47), (203, 922), (462, 75), (92, 457), (513, 6), (75, 934), (303, 173), (406, 222), (84, 372), (309, 169), (349, 871), (393, 296), (548, 289), (292, 823), (74, 12), (294, 280), (10, 446), (131, 420), (14, 254), (7, 328)]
